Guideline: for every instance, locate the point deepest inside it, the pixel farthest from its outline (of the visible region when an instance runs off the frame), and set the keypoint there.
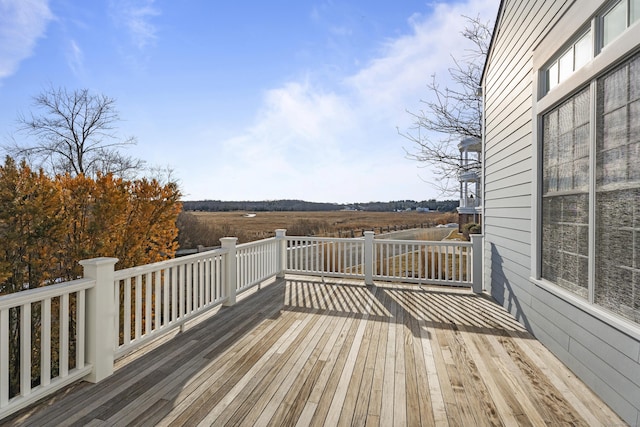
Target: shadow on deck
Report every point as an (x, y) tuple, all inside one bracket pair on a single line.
[(304, 352)]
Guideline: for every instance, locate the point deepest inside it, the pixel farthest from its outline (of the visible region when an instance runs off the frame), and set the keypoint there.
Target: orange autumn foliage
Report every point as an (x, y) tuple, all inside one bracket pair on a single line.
[(49, 224)]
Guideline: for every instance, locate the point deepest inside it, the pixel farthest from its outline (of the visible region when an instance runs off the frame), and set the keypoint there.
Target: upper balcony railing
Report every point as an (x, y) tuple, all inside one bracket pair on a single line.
[(469, 176), (470, 202), (52, 336)]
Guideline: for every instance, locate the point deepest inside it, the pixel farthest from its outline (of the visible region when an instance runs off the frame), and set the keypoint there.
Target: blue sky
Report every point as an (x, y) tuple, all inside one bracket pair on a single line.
[(248, 100)]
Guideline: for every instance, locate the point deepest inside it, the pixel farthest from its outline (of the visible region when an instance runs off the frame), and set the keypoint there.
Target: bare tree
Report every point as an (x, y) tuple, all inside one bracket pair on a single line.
[(452, 113), (75, 132)]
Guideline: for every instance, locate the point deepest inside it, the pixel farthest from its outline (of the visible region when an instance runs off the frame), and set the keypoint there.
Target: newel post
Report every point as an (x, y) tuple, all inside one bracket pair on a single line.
[(281, 256), (476, 268), (230, 283), (368, 257), (101, 312)]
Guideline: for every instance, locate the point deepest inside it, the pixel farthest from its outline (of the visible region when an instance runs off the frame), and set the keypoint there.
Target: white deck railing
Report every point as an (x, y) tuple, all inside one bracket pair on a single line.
[(156, 298), (411, 261), (31, 314), (91, 321), (436, 263), (324, 256)]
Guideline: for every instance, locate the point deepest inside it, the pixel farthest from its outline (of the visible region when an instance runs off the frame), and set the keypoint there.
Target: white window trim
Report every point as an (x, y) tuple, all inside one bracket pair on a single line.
[(606, 59)]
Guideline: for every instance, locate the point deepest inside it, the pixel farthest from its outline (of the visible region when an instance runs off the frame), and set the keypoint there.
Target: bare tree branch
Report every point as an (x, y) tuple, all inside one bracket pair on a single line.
[(452, 113), (75, 132)]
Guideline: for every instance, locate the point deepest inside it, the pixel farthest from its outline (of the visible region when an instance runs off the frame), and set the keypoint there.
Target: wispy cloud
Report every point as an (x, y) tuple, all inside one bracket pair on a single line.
[(398, 76), (136, 16), (75, 58), (338, 139), (22, 23)]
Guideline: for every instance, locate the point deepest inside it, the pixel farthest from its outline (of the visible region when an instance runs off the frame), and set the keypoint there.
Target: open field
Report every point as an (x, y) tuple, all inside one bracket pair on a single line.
[(331, 221), (248, 226)]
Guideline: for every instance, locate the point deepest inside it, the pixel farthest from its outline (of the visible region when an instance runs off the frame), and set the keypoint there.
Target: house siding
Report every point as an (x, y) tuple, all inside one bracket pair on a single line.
[(603, 356)]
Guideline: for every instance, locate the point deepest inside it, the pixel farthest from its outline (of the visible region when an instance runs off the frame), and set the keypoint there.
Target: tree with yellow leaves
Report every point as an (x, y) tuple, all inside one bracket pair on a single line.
[(49, 224)]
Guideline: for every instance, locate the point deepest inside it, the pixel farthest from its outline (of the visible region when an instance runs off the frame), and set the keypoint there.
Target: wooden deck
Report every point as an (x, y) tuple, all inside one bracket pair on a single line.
[(304, 352)]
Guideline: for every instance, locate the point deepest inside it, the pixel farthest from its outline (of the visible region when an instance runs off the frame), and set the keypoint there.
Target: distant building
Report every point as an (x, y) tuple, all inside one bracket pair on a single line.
[(470, 209)]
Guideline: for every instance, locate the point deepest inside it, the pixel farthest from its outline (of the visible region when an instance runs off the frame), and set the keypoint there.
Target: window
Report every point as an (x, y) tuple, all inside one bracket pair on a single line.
[(617, 250), (571, 157), (552, 76), (618, 18), (614, 22), (565, 194), (635, 10), (583, 49), (569, 61)]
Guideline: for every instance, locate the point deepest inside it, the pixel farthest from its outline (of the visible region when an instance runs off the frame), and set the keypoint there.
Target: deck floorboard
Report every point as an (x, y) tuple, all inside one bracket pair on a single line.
[(301, 351)]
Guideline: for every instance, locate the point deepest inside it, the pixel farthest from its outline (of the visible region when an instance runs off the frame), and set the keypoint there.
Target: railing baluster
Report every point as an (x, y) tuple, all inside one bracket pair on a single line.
[(64, 335), (126, 318), (196, 286), (406, 260), (138, 307), (148, 286), (45, 342), (80, 327), (247, 268), (207, 281), (174, 294), (182, 295), (459, 275), (201, 284), (25, 349), (157, 309), (4, 357), (253, 265), (422, 266), (240, 268), (166, 283), (432, 262), (189, 279), (116, 318), (217, 277)]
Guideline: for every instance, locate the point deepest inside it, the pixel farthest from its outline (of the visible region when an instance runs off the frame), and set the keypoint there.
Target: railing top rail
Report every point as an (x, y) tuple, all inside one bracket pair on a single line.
[(255, 243), (134, 271), (325, 239), (38, 294), (424, 242)]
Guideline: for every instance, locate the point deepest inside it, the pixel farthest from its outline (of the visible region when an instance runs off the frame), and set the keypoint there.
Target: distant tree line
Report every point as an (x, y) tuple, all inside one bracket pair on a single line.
[(303, 206)]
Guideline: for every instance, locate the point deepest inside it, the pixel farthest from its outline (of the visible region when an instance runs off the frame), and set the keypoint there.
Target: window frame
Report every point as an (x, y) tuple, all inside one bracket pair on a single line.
[(631, 18), (602, 20), (593, 24), (569, 48)]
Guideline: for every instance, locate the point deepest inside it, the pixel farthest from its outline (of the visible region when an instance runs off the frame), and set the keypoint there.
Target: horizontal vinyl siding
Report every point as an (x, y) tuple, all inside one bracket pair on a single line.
[(520, 201), (604, 357), (534, 20), (514, 184), (585, 343), (508, 132), (514, 131)]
